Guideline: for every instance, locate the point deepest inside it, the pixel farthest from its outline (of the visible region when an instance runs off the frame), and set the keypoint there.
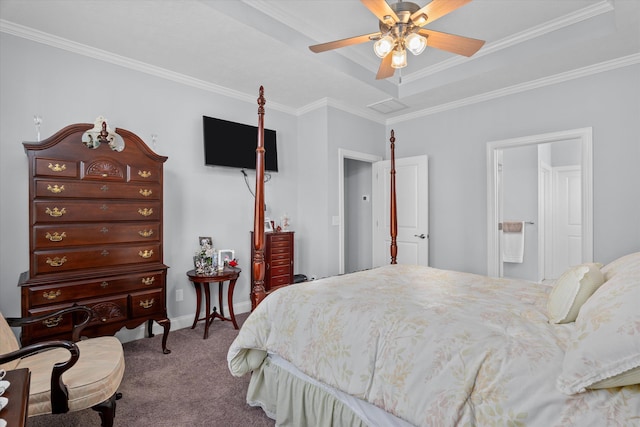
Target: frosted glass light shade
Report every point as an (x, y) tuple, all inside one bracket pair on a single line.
[(399, 59), (416, 43), (383, 46)]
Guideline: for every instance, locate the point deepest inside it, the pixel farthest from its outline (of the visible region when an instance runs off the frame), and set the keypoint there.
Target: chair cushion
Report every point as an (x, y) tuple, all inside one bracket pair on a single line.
[(93, 379), (8, 343)]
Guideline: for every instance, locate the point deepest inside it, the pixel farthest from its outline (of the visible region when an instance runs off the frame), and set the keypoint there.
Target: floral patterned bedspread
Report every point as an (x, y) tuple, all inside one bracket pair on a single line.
[(434, 347)]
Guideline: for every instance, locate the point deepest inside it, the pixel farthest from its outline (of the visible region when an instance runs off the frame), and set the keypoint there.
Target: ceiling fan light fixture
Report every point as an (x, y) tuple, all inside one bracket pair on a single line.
[(399, 58), (420, 20), (383, 46), (416, 43)]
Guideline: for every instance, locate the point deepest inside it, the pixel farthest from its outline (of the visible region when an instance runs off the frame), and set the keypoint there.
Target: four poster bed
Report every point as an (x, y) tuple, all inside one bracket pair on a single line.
[(406, 345)]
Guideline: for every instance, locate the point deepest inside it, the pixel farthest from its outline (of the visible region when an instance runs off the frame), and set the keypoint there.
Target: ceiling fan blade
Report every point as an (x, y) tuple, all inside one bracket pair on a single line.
[(381, 9), (452, 43), (437, 9), (323, 47), (385, 70)]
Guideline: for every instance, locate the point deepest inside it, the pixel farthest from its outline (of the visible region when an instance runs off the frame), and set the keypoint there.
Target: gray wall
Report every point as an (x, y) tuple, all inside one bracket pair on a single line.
[(456, 140), (66, 88)]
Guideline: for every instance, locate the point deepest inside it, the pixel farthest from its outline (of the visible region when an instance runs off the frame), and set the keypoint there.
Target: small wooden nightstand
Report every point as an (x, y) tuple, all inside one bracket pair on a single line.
[(203, 281)]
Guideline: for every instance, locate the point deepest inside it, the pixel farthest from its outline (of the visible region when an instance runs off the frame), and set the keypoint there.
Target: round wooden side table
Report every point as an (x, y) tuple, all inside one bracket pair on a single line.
[(203, 281)]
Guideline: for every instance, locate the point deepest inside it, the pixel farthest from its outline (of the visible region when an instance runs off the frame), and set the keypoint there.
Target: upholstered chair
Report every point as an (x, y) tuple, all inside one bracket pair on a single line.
[(66, 376)]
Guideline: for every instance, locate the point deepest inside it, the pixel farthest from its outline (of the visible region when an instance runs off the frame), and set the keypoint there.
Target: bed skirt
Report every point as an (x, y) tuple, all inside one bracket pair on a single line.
[(294, 399)]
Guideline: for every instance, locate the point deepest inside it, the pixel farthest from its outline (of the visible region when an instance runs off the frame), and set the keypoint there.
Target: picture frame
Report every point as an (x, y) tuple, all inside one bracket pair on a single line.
[(226, 255), (268, 225), (203, 239)]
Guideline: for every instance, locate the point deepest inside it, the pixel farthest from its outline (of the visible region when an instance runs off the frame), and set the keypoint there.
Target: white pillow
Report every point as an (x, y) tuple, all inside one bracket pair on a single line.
[(571, 290), (604, 350), (620, 264)]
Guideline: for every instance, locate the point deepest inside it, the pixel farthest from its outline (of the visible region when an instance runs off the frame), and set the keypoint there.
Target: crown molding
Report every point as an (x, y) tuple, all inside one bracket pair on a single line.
[(588, 12), (601, 67), (333, 103), (102, 55), (123, 61)]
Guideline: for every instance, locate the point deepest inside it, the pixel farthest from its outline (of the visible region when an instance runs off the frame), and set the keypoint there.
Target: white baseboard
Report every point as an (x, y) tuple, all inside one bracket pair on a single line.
[(126, 335)]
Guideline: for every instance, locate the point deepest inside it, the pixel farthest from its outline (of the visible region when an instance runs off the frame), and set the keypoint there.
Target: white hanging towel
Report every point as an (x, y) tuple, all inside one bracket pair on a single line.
[(513, 241)]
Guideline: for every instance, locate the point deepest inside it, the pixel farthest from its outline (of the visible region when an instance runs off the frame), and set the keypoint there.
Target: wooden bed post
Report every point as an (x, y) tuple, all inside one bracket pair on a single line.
[(257, 287), (393, 227)]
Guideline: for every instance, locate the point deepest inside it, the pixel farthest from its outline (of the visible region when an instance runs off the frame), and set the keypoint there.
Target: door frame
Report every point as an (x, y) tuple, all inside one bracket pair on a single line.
[(585, 136), (342, 156)]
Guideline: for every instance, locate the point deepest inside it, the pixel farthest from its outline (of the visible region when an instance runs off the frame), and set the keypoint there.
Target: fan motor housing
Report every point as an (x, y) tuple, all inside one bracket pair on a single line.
[(404, 10)]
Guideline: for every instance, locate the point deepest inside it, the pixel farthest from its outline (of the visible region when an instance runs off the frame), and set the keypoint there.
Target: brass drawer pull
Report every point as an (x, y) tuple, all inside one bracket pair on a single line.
[(104, 188), (56, 237), (146, 253), (104, 230), (145, 233), (52, 322), (104, 207), (55, 212), (145, 192), (148, 280), (144, 174), (147, 303), (104, 284), (104, 252), (57, 167), (145, 211), (51, 294), (56, 262), (55, 189)]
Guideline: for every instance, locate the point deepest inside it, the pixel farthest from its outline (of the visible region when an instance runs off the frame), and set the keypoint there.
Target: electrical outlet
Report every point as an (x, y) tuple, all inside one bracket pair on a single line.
[(179, 295)]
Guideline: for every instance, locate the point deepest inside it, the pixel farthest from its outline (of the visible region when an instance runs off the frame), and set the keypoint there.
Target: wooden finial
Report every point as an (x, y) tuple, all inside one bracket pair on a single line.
[(261, 101)]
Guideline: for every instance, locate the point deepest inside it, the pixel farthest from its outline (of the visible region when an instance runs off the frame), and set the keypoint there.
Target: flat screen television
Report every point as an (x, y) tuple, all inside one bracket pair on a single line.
[(234, 145)]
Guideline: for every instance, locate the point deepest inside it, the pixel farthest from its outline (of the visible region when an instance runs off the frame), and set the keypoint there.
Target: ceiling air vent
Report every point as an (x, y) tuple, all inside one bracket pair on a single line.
[(387, 106)]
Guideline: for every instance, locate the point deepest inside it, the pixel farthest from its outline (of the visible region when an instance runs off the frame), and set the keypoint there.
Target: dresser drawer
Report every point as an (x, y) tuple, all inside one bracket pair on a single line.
[(146, 173), (46, 188), (55, 211), (55, 261), (107, 310), (54, 325), (279, 281), (280, 262), (279, 237), (147, 302), (280, 252), (73, 291), (63, 235), (280, 256), (56, 168), (279, 271)]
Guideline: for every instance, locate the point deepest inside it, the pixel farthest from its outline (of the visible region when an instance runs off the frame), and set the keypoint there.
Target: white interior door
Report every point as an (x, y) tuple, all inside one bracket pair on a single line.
[(567, 218), (412, 201)]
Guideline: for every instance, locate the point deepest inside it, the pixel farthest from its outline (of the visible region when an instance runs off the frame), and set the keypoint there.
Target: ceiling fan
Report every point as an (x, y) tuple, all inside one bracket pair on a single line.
[(401, 30)]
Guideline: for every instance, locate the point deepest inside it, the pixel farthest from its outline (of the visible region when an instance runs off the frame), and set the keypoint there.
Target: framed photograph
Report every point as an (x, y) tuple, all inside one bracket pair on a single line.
[(205, 240), (268, 225), (226, 255)]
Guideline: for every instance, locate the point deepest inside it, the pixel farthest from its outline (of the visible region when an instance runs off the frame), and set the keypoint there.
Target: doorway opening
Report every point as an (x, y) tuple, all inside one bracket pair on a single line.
[(354, 161), (584, 188)]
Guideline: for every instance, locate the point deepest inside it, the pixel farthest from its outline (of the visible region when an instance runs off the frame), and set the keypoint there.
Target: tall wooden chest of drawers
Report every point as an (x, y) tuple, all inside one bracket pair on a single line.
[(95, 218), (278, 259)]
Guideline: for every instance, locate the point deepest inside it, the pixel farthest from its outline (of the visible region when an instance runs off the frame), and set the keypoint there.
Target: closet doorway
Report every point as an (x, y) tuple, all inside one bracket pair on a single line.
[(559, 229), (354, 212)]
